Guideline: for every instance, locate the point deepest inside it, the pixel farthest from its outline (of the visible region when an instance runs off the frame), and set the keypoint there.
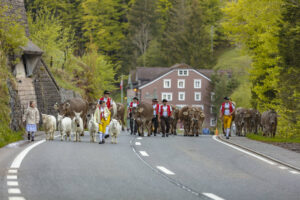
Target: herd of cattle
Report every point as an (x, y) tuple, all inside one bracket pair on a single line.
[(76, 114)]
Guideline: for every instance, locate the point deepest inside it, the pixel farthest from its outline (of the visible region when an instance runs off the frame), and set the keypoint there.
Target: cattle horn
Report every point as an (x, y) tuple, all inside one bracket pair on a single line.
[(185, 113)]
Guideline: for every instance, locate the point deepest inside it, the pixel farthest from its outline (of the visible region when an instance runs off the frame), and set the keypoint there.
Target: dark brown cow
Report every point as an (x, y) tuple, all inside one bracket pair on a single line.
[(254, 121), (242, 121), (269, 123), (143, 114), (120, 116), (174, 119), (70, 106), (185, 116)]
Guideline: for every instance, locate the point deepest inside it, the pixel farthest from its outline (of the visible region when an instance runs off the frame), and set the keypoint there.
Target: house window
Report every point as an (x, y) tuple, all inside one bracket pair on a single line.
[(167, 83), (197, 96), (212, 109), (181, 83), (183, 72), (167, 95), (181, 96), (213, 121), (180, 105), (212, 96), (197, 83)]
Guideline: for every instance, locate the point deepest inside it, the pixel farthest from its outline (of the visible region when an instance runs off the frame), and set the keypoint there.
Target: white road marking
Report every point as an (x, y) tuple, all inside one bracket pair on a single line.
[(16, 198), (12, 183), (138, 143), (12, 171), (294, 172), (244, 151), (18, 160), (11, 177), (282, 167), (14, 191), (144, 153), (165, 170), (139, 138), (213, 196)]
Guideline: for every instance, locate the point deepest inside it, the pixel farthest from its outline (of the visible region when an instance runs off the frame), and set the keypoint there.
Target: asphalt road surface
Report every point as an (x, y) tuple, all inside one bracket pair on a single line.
[(149, 168)]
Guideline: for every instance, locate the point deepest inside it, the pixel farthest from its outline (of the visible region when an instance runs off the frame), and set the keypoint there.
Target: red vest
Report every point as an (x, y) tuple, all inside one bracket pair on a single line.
[(131, 104), (230, 107), (156, 109), (168, 110), (108, 104)]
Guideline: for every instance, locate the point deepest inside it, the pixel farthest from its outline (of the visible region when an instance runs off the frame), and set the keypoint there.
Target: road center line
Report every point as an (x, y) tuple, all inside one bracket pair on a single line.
[(213, 196), (12, 183), (12, 171), (139, 138), (244, 151), (282, 167), (165, 170), (16, 198), (18, 160), (138, 143), (12, 177), (14, 191), (294, 172), (144, 153)]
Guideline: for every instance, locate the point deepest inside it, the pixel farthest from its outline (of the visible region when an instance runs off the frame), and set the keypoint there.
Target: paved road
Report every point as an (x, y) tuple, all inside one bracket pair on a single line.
[(146, 168)]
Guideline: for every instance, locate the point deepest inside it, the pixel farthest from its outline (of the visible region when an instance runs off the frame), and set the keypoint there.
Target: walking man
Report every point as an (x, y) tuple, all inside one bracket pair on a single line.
[(155, 115), (165, 114), (108, 103), (226, 111), (132, 105)]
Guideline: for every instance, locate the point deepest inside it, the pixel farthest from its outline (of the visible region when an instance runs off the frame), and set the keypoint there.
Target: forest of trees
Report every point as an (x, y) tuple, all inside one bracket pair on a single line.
[(111, 37)]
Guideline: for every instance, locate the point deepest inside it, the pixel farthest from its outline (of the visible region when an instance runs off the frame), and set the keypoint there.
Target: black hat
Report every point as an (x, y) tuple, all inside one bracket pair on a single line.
[(164, 100), (154, 100), (106, 92), (135, 98), (226, 98)]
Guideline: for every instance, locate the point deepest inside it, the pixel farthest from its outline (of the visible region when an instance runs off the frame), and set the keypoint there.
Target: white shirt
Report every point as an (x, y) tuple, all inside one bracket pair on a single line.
[(227, 111), (165, 110), (134, 105), (154, 109)]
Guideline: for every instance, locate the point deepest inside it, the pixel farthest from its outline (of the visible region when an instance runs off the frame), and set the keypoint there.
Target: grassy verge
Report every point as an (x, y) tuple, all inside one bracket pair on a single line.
[(276, 139)]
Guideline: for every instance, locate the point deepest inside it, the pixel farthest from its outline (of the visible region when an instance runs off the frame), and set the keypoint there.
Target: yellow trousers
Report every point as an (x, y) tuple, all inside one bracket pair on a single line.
[(104, 124), (227, 121)]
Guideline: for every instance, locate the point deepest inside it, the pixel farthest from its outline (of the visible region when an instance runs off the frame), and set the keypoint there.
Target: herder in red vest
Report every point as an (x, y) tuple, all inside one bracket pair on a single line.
[(226, 111), (155, 115), (165, 114), (133, 126)]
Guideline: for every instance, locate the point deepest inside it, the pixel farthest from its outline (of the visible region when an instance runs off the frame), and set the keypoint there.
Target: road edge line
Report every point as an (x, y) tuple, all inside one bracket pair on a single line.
[(260, 154)]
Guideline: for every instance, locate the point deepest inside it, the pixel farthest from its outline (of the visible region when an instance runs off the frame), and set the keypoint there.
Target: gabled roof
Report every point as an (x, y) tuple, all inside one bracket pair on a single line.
[(31, 48)]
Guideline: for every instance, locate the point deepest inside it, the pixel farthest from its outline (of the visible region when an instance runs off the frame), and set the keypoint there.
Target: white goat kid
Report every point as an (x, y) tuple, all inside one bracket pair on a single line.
[(64, 126), (49, 123), (93, 128), (77, 125), (114, 130)]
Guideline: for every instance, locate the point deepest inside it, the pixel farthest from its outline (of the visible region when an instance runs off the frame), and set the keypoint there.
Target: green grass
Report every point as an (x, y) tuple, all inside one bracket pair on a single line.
[(261, 138), (234, 59)]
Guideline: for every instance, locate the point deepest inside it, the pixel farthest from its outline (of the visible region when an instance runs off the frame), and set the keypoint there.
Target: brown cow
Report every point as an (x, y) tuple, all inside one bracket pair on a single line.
[(174, 119), (143, 114), (197, 121), (70, 106), (121, 114), (185, 115), (269, 123)]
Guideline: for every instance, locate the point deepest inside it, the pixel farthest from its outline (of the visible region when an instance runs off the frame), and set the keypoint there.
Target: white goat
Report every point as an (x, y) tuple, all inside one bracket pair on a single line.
[(77, 126), (93, 128), (114, 130), (49, 123), (64, 126)]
